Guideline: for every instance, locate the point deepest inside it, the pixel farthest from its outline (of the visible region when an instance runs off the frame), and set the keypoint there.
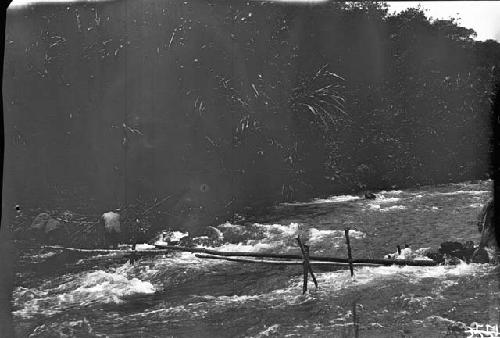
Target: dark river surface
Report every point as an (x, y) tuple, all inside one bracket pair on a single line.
[(64, 294)]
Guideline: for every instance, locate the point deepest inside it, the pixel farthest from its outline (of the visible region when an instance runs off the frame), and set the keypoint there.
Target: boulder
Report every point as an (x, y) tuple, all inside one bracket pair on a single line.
[(40, 221), (488, 245), (54, 232), (458, 250), (485, 217), (48, 229), (52, 225), (214, 234), (67, 215), (451, 252), (481, 256), (175, 237), (370, 196)]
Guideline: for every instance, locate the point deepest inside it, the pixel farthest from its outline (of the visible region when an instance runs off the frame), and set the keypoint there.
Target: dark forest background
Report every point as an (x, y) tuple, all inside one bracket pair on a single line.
[(229, 107)]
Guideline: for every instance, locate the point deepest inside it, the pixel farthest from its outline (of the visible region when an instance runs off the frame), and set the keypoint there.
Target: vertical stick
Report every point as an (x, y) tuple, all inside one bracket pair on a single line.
[(349, 254), (355, 320), (309, 266), (133, 255), (306, 267)]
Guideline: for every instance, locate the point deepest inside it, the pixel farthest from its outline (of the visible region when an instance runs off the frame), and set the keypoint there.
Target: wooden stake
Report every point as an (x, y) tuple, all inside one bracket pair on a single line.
[(133, 257), (309, 267), (349, 254), (355, 320), (306, 267)]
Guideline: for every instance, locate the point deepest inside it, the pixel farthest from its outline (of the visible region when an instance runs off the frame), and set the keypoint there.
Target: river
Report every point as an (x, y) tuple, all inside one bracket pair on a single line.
[(64, 294)]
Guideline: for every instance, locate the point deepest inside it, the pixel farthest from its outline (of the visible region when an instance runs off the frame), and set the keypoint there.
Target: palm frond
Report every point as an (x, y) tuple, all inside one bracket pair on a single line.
[(319, 95)]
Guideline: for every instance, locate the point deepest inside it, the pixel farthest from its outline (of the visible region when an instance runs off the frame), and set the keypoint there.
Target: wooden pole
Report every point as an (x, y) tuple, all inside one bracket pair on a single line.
[(306, 267), (355, 320), (386, 262), (309, 268), (104, 251), (349, 254), (279, 262), (133, 257)]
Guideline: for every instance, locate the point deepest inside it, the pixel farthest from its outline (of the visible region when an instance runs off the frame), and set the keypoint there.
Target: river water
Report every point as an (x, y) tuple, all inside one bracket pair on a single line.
[(77, 294)]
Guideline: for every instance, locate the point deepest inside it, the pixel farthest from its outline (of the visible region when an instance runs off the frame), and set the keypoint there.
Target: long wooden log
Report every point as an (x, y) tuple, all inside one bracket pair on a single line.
[(97, 251), (314, 260), (279, 262), (386, 262)]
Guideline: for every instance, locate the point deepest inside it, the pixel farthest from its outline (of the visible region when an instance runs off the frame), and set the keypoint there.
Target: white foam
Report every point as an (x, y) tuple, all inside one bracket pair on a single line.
[(476, 205), (337, 199), (278, 229), (409, 254), (45, 255), (144, 247), (316, 235), (331, 199), (202, 305), (383, 200), (357, 234), (412, 299), (329, 282), (167, 237), (82, 289), (161, 242), (258, 236), (176, 236), (185, 259), (393, 207), (271, 330), (249, 246), (410, 274), (458, 270), (293, 204), (279, 236), (107, 287), (229, 225), (391, 192), (461, 192), (263, 229), (376, 203)]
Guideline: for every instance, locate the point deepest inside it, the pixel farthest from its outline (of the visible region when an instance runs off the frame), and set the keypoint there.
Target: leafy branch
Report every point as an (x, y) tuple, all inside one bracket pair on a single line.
[(320, 96)]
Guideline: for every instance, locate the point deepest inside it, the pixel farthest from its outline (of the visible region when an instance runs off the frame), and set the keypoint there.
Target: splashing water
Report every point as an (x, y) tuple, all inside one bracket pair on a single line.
[(181, 295), (81, 290)]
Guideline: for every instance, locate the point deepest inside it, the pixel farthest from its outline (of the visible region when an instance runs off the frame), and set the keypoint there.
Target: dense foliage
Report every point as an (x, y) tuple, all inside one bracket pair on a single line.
[(227, 105)]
